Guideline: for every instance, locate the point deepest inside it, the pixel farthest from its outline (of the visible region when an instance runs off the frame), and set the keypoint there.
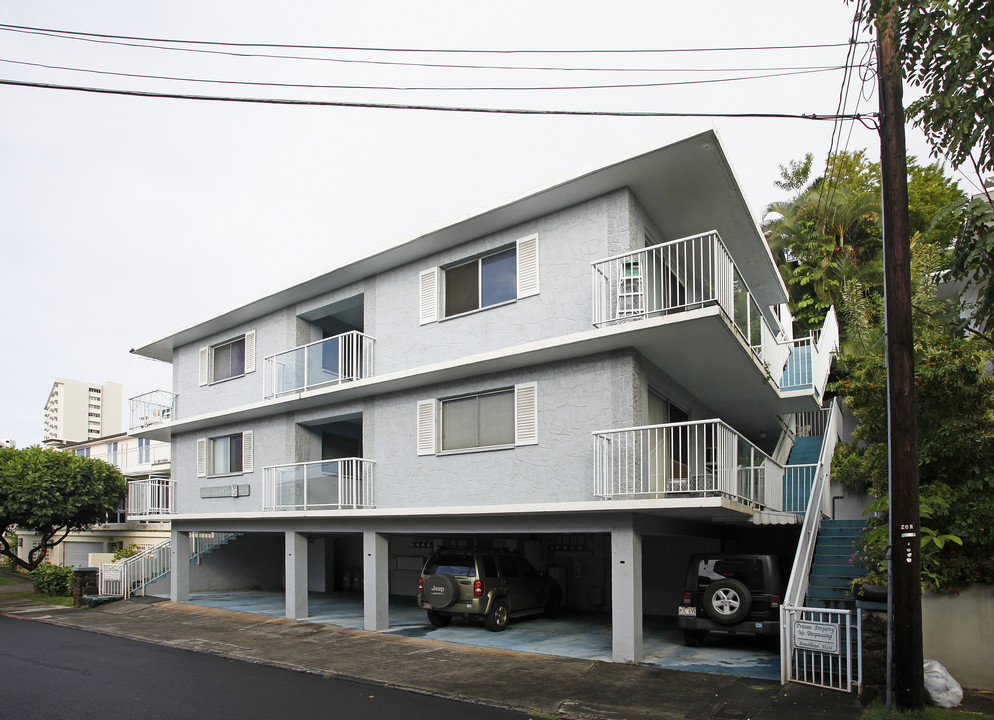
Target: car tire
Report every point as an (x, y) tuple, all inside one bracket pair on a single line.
[(440, 590), (553, 605), (498, 617), (694, 638), (727, 601), (438, 619)]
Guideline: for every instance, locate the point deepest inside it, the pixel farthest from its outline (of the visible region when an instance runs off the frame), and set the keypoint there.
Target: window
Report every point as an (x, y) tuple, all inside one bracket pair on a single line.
[(229, 359), (495, 419), (144, 450), (481, 282), (112, 453), (83, 452), (224, 455), (478, 421)]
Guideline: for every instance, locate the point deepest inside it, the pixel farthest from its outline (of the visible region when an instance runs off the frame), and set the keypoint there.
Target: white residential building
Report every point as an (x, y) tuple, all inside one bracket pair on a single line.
[(600, 374), (79, 411)]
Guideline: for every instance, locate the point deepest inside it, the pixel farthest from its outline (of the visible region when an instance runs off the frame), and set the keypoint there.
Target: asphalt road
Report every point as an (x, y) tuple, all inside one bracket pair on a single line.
[(56, 672)]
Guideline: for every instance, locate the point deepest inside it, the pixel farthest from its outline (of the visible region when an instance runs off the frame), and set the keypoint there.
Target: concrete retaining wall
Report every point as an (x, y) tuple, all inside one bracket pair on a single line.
[(958, 631)]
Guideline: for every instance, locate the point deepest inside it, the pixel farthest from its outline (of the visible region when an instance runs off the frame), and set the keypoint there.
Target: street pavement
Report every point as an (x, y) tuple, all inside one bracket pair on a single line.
[(540, 685)]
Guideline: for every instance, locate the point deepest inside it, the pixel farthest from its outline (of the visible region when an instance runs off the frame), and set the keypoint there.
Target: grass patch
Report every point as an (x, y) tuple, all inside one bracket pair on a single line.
[(7, 580), (877, 711), (63, 601)]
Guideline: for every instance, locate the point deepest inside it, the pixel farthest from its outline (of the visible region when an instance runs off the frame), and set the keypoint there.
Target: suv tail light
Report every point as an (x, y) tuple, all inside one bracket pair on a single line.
[(774, 602), (688, 598), (421, 586), (478, 588)]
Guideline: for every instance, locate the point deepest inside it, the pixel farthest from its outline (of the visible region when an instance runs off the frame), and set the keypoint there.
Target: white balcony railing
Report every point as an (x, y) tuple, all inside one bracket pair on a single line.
[(152, 497), (697, 459), (322, 485), (152, 408), (132, 458), (810, 357), (338, 359)]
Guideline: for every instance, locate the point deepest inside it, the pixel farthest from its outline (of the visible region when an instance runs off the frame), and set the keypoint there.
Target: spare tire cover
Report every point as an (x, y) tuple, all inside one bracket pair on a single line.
[(440, 590)]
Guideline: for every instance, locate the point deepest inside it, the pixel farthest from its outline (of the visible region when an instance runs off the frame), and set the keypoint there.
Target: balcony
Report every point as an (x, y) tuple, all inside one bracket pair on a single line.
[(132, 459), (698, 272), (706, 458), (346, 483), (152, 408), (151, 498), (342, 358)]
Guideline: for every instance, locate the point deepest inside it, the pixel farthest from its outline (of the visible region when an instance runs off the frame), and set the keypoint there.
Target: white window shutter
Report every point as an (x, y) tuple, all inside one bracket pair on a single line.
[(428, 296), (426, 427), (250, 351), (201, 457), (528, 266), (526, 414), (248, 452), (205, 354)]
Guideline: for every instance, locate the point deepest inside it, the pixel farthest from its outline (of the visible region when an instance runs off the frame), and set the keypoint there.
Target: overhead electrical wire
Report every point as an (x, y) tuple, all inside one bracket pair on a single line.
[(94, 38), (437, 108), (423, 88)]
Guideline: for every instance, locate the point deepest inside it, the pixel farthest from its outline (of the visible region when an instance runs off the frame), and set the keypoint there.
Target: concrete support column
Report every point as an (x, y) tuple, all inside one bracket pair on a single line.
[(376, 580), (179, 565), (626, 595), (296, 575)]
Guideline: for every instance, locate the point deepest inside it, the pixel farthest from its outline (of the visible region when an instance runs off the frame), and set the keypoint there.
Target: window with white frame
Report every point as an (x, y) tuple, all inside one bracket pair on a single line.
[(229, 359), (484, 281), (225, 455), (500, 418)]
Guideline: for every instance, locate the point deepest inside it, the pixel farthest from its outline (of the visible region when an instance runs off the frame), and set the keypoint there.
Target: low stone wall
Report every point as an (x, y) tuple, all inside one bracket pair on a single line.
[(958, 631)]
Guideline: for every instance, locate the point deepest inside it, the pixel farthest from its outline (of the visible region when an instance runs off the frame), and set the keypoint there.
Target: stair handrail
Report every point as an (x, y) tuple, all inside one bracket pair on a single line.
[(797, 586), (125, 569)]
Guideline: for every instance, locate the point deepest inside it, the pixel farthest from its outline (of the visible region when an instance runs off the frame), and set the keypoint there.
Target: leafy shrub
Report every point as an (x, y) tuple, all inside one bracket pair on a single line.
[(53, 580), (126, 552)]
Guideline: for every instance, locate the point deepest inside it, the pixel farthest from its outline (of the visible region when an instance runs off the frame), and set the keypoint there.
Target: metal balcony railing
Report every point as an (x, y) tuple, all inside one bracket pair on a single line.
[(134, 458), (321, 485), (693, 459), (338, 359), (151, 498), (152, 408)]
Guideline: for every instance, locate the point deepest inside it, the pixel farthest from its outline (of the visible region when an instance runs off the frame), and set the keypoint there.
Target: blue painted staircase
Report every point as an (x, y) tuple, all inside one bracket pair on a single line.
[(831, 571), (799, 475)]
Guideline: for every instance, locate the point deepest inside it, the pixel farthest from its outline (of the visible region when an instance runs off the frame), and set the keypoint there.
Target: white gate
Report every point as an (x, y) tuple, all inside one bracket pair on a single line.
[(824, 647)]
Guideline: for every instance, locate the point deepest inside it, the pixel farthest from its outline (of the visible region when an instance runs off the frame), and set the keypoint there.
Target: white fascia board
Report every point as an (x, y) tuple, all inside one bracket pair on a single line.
[(516, 510)]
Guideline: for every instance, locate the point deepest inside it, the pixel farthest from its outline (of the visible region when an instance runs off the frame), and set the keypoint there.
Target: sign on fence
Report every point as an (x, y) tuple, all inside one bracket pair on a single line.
[(821, 636)]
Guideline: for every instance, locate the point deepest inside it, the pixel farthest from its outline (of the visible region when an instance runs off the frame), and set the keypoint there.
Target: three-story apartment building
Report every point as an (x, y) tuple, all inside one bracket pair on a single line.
[(600, 374)]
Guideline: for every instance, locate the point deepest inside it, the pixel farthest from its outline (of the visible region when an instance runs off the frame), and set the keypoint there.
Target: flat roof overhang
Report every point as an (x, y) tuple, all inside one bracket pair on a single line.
[(724, 374), (686, 187)]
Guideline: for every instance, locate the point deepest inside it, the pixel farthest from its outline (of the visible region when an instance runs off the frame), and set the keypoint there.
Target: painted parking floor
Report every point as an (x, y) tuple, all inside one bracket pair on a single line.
[(573, 635)]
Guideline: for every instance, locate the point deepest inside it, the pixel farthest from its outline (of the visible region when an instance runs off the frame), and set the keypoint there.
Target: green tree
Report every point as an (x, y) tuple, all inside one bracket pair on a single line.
[(53, 493), (954, 405)]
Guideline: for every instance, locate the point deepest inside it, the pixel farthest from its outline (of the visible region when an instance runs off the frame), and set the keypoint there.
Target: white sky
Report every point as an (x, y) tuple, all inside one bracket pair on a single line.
[(124, 218)]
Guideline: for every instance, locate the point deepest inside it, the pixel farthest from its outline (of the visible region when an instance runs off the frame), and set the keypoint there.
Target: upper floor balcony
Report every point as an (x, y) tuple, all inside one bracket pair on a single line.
[(345, 483), (683, 276), (151, 498), (334, 360), (141, 458), (152, 408)]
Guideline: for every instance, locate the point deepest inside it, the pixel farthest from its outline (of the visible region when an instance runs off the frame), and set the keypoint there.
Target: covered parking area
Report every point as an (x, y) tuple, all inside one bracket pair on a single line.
[(622, 574)]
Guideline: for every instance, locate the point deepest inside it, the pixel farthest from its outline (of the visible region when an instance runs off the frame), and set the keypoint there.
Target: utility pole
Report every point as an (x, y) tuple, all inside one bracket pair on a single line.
[(905, 654)]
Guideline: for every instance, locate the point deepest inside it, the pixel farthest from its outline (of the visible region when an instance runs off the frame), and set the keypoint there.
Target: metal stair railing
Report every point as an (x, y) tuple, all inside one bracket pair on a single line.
[(129, 576)]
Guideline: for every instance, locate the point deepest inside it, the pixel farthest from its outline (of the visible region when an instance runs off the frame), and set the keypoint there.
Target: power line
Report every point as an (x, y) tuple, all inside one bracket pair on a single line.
[(436, 108), (424, 88), (24, 28), (93, 38)]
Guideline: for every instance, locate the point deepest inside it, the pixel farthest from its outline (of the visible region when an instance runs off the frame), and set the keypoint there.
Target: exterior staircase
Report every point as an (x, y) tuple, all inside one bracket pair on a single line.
[(831, 571), (130, 576), (800, 472)]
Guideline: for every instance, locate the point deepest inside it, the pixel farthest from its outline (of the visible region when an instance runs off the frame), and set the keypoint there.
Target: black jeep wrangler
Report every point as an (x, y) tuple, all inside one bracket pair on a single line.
[(738, 594)]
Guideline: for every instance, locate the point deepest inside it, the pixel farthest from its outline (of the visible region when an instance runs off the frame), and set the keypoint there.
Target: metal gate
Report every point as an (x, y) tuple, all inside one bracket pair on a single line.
[(823, 647)]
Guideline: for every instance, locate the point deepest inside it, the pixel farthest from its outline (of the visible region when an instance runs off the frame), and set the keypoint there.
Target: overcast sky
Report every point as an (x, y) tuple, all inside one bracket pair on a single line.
[(125, 218)]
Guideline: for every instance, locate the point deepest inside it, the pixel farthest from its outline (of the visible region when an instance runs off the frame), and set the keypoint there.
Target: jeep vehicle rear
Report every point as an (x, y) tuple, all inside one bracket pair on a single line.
[(493, 585), (737, 594)]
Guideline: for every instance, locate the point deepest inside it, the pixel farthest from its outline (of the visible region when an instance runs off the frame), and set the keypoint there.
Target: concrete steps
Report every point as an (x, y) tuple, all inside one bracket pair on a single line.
[(831, 570)]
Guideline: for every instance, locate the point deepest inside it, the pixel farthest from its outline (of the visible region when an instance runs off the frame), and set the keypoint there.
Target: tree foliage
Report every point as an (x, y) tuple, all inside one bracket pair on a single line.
[(53, 493), (946, 48), (954, 406)]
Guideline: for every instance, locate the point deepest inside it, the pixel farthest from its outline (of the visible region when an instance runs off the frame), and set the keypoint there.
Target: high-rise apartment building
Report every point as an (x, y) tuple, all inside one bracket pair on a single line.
[(80, 411)]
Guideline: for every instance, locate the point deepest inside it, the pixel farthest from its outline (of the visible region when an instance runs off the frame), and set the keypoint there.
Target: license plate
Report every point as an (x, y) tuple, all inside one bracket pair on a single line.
[(687, 611)]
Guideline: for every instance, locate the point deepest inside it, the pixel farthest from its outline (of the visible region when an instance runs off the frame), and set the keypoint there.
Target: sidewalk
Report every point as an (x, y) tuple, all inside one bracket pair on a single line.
[(543, 685)]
